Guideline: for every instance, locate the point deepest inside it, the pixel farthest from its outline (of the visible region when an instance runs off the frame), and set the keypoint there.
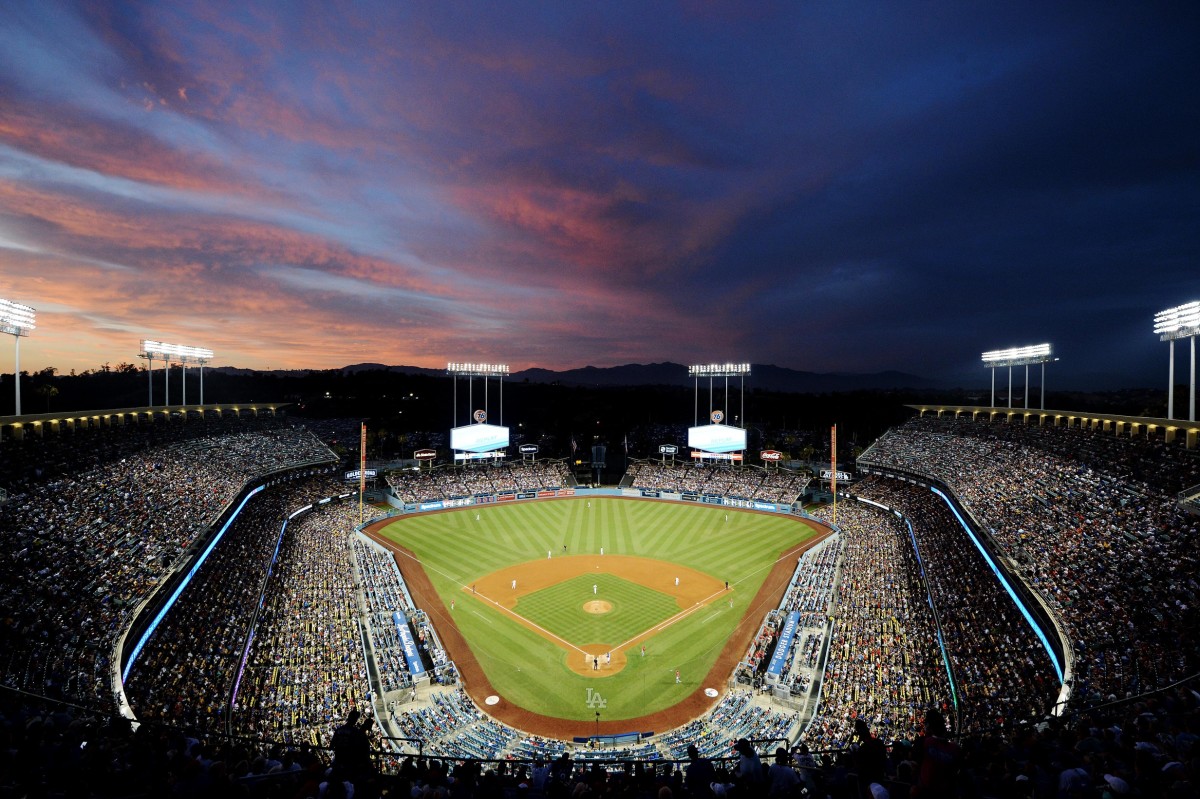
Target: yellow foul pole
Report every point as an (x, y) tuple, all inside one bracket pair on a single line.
[(833, 469), (362, 471)]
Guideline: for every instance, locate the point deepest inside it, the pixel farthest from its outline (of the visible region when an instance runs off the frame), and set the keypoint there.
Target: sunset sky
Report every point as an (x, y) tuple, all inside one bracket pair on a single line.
[(822, 186)]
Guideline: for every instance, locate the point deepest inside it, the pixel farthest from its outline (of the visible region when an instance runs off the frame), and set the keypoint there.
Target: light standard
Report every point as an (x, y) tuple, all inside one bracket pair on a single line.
[(1019, 356), (1182, 321), (181, 353), (16, 320)]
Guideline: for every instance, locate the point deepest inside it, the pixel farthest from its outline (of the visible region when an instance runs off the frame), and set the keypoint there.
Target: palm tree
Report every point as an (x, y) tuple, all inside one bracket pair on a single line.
[(47, 391)]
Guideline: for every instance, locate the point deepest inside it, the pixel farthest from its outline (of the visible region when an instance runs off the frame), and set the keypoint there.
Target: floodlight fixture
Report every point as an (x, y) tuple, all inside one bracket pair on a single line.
[(180, 353), (16, 320), (719, 370), (1019, 356), (1182, 321), (177, 351), (477, 369), (457, 369)]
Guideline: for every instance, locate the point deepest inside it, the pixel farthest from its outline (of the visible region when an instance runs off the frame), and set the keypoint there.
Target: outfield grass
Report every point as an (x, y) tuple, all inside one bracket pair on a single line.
[(526, 669)]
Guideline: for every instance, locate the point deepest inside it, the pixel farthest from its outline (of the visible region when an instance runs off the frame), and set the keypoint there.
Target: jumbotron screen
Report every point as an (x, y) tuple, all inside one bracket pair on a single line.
[(478, 438), (717, 438)]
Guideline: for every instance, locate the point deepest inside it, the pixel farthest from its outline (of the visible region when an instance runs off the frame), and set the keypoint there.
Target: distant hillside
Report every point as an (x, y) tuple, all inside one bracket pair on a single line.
[(762, 376)]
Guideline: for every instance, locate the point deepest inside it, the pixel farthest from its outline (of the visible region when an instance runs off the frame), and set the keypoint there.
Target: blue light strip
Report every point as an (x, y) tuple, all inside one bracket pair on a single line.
[(1004, 582), (137, 650), (929, 599)]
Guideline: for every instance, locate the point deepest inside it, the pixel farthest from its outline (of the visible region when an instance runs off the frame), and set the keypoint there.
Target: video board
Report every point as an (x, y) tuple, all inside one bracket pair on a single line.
[(478, 438), (717, 438)]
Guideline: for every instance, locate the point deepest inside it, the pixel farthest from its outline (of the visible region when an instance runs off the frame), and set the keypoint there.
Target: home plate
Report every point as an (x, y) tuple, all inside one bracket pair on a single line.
[(710, 692), (495, 700)]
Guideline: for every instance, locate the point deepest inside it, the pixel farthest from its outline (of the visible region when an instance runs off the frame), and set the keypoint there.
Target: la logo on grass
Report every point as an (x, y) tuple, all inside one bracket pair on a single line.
[(595, 701)]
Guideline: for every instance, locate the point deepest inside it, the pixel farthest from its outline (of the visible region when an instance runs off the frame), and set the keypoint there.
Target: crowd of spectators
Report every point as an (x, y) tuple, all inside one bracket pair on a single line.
[(810, 595), (737, 482), (739, 714), (1092, 520), (449, 725), (1001, 670), (384, 592), (883, 663), (186, 670), (449, 482), (754, 662), (84, 546), (305, 670), (1144, 748)]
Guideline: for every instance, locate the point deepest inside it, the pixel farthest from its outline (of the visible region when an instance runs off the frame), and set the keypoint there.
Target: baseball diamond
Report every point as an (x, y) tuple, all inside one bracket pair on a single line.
[(579, 620)]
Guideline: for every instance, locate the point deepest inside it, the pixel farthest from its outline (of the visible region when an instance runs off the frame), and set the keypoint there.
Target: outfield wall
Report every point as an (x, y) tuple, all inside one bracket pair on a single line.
[(451, 503)]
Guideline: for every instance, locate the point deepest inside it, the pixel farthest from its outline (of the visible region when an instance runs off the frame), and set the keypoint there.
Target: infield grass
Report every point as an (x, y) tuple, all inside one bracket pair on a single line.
[(456, 549), (560, 609)]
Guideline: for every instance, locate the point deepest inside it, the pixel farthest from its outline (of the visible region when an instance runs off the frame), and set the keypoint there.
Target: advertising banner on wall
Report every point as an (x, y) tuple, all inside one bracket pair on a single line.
[(784, 646), (411, 656)]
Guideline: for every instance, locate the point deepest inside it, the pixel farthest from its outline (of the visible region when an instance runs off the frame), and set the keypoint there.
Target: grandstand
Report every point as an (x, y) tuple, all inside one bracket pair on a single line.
[(205, 575), (1089, 521), (740, 483), (450, 482)]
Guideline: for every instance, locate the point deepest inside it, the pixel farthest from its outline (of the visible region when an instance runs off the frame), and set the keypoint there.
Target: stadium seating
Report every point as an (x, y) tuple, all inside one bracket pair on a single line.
[(1089, 519)]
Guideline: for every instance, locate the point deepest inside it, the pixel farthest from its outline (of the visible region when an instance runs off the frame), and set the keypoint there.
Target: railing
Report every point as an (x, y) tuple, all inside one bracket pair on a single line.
[(1189, 499)]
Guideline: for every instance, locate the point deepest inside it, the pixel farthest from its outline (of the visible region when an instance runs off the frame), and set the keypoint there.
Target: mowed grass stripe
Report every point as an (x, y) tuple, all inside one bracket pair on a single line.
[(531, 671)]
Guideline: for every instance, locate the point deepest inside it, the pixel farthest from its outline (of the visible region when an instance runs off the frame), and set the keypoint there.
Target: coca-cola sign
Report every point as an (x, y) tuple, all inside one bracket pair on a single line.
[(771, 455)]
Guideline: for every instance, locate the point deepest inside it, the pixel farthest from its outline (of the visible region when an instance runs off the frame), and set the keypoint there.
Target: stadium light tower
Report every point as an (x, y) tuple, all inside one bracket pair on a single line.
[(1183, 321), (725, 370), (184, 355), (17, 321), (470, 370), (1019, 356)]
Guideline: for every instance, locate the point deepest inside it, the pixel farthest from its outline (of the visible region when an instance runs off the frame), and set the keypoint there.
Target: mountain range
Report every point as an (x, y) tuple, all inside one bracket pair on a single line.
[(767, 377)]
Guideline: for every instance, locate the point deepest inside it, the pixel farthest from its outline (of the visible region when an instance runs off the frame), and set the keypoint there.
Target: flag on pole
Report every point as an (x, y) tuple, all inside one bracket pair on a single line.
[(626, 443), (574, 446)]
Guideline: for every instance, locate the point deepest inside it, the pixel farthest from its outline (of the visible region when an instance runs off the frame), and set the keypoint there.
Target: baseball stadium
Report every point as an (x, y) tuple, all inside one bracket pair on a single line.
[(218, 578)]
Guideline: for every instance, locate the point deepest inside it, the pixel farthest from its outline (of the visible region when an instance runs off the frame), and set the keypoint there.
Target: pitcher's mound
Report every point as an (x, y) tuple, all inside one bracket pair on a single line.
[(597, 606)]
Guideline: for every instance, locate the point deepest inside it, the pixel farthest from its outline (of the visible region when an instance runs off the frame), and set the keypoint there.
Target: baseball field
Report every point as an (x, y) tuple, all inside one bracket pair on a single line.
[(573, 607)]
